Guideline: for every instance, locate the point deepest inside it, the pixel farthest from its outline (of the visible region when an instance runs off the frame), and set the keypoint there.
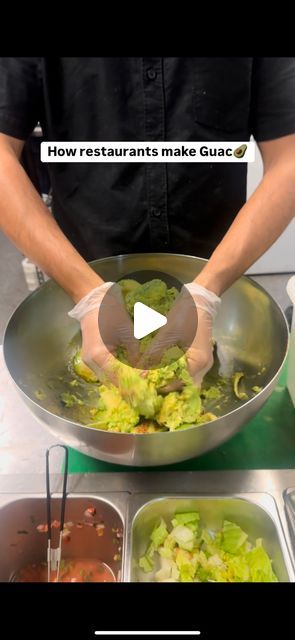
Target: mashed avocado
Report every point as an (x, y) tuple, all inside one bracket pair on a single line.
[(178, 408), (112, 412), (127, 286), (138, 391), (154, 294), (143, 402)]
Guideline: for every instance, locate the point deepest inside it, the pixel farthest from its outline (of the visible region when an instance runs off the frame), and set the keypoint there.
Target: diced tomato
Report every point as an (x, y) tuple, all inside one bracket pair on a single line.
[(90, 512)]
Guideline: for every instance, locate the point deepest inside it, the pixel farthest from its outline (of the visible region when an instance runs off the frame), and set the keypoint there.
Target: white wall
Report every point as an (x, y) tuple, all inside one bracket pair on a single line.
[(280, 257)]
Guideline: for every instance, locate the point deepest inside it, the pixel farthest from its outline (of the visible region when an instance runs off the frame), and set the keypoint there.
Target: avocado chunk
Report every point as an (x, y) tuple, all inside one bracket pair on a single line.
[(82, 370), (128, 285)]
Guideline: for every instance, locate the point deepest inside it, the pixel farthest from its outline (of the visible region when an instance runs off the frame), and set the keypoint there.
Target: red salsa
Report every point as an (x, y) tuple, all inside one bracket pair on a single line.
[(71, 570)]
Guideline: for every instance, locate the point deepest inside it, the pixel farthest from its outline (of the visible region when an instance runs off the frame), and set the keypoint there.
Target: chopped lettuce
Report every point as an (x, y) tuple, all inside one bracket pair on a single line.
[(168, 572), (233, 537), (159, 534), (260, 565), (183, 536), (188, 517), (186, 565), (146, 563), (181, 552)]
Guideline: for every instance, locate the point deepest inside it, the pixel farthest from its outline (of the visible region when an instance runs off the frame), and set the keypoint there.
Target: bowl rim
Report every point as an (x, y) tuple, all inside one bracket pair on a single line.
[(176, 432)]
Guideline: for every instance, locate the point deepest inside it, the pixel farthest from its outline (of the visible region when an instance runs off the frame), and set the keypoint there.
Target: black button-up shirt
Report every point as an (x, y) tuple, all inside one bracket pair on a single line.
[(108, 209)]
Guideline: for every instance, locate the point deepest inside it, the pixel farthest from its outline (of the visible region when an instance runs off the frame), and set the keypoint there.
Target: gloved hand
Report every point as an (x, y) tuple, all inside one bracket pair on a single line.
[(97, 350), (190, 325)]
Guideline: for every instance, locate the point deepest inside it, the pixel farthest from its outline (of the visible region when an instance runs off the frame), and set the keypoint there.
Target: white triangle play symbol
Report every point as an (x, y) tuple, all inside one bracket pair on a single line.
[(146, 320)]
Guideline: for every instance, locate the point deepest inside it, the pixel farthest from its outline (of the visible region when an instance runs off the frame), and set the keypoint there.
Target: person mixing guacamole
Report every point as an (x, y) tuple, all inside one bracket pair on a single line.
[(109, 209)]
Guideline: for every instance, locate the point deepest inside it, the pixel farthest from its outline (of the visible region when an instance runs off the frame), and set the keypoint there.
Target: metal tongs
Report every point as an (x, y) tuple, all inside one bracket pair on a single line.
[(54, 555)]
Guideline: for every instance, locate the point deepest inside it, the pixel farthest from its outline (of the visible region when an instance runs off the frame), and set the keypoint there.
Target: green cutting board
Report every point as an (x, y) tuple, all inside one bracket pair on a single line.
[(266, 442)]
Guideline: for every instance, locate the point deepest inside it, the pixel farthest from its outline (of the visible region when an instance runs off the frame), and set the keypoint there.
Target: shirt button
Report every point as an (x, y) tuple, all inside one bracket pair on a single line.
[(156, 213), (151, 74)]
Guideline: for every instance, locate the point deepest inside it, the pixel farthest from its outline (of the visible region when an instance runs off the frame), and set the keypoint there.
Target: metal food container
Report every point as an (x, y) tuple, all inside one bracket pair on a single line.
[(22, 544), (255, 513), (251, 333), (136, 510)]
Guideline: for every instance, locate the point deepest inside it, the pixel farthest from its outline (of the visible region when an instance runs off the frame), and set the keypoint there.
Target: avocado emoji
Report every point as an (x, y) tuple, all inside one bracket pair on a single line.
[(240, 151)]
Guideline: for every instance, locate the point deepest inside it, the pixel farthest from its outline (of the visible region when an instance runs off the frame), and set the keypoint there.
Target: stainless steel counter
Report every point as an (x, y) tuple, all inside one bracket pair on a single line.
[(23, 440)]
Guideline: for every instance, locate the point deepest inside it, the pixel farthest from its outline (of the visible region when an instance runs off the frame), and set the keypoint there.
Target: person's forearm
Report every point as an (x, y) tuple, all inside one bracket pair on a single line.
[(259, 223), (27, 222)]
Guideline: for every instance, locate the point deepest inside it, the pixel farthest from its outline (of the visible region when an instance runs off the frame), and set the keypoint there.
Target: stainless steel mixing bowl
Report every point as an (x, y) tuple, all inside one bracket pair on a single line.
[(251, 333)]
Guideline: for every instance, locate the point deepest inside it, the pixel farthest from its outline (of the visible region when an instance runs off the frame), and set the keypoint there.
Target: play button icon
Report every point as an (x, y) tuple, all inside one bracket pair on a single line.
[(146, 320), (148, 297)]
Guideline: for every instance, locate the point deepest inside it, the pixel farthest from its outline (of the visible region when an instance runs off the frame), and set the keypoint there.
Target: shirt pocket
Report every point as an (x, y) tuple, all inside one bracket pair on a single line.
[(222, 93)]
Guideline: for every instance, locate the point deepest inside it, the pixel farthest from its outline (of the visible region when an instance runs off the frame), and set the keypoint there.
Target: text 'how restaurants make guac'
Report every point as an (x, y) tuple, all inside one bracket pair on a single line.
[(144, 152)]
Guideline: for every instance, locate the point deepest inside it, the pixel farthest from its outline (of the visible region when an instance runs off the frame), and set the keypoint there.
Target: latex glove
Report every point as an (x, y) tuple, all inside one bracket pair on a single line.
[(196, 310), (97, 352)]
